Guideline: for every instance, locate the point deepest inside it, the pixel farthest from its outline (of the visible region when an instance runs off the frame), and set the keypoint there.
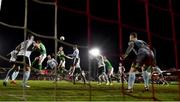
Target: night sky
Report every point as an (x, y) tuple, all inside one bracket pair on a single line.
[(73, 25)]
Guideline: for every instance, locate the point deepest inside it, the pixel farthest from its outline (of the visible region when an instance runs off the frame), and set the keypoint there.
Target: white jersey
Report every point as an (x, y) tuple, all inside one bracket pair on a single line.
[(157, 69), (13, 55), (24, 48), (75, 53), (121, 69), (100, 60), (52, 63)]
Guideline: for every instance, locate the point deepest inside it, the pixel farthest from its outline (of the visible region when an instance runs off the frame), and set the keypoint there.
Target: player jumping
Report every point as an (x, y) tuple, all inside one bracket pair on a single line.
[(76, 69), (110, 69), (62, 61), (24, 56), (42, 49)]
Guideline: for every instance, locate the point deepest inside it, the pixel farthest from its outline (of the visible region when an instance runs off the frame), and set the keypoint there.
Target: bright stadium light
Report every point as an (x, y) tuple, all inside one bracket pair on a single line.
[(94, 52), (0, 4)]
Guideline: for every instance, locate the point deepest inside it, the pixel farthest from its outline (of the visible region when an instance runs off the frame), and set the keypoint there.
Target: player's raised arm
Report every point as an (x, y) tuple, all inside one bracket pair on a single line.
[(8, 54), (68, 57), (129, 49)]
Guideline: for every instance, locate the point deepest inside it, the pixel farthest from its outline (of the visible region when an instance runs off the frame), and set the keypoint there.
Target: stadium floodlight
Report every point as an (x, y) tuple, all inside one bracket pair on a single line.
[(94, 52), (0, 4)]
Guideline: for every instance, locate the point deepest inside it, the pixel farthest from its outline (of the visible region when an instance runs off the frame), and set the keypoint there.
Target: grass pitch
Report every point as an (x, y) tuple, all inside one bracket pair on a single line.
[(66, 91)]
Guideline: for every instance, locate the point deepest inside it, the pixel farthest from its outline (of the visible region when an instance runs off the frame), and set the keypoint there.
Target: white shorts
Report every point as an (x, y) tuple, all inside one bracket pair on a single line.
[(110, 71), (62, 63), (41, 58)]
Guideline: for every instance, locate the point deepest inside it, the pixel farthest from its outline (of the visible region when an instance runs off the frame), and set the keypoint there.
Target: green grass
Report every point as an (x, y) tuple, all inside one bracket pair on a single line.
[(66, 91)]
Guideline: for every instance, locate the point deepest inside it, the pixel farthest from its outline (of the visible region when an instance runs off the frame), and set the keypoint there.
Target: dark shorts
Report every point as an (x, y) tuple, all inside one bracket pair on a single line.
[(20, 59), (77, 71), (101, 70), (75, 61), (144, 57), (12, 63)]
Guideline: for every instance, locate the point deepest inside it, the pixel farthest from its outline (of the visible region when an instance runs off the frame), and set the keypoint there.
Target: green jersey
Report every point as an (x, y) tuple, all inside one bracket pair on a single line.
[(61, 55), (42, 49), (108, 64)]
